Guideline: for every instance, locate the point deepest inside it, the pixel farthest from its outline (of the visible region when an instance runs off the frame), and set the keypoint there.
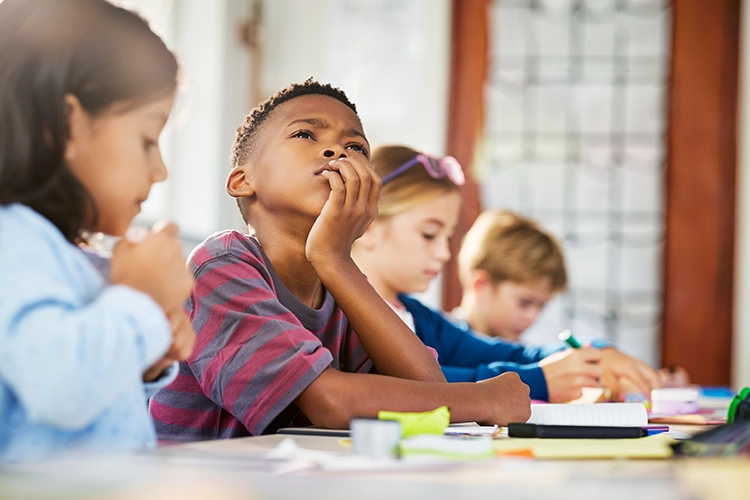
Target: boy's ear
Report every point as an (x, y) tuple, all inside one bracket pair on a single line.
[(239, 184), (479, 280)]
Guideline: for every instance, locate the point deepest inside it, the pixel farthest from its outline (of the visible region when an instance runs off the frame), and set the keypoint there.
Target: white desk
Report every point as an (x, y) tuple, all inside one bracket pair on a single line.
[(233, 469)]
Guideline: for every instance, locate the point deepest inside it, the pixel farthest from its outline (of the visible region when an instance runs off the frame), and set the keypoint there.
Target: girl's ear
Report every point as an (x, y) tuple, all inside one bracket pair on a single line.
[(239, 184), (78, 123), (369, 239)]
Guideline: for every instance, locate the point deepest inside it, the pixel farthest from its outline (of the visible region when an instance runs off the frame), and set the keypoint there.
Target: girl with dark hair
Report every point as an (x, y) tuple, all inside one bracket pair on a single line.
[(85, 90)]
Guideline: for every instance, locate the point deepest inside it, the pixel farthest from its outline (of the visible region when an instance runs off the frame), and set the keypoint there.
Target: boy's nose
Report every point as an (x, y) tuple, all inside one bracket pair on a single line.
[(334, 152)]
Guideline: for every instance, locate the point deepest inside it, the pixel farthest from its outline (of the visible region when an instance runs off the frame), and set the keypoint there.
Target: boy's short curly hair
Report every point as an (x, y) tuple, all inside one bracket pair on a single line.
[(246, 137)]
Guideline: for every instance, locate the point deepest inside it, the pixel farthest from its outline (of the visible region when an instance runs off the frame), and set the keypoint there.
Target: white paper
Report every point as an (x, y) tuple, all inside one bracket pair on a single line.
[(611, 414)]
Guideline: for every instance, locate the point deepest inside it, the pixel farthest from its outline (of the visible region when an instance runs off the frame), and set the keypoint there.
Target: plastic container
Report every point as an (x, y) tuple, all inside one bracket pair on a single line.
[(674, 401)]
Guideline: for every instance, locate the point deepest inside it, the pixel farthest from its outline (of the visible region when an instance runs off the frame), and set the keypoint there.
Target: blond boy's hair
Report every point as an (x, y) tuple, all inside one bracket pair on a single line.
[(510, 247), (409, 188)]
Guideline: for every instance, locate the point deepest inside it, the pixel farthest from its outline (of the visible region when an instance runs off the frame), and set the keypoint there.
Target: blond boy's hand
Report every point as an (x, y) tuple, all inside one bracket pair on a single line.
[(568, 371), (508, 397), (624, 374), (351, 207), (155, 265)]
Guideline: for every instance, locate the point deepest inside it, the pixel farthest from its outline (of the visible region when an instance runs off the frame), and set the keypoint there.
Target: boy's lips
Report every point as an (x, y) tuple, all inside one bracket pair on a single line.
[(325, 167)]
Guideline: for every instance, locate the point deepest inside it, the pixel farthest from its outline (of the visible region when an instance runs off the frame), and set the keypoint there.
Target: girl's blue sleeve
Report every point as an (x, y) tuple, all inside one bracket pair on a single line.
[(458, 345), (66, 362), (530, 374), (166, 378)]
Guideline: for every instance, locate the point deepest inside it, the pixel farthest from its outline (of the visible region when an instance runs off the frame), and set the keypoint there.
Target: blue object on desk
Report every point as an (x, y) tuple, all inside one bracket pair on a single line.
[(717, 392)]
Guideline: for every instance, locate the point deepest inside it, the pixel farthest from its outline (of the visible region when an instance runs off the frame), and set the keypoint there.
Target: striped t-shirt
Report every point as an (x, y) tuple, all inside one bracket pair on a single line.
[(257, 347)]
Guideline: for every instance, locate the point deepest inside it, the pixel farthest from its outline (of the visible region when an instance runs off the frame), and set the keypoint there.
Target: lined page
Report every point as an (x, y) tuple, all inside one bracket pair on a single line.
[(613, 414)]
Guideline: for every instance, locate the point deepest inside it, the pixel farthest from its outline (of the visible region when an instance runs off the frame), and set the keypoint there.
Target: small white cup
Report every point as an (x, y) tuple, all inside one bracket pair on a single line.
[(375, 438)]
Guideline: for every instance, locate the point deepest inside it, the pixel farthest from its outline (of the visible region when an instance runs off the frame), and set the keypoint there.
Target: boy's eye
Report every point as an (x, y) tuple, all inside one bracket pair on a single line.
[(303, 134), (148, 144), (359, 148), (428, 236)]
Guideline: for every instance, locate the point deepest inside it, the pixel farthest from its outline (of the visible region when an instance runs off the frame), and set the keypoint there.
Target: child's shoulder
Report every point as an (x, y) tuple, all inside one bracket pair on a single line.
[(20, 217), (26, 234), (226, 244)]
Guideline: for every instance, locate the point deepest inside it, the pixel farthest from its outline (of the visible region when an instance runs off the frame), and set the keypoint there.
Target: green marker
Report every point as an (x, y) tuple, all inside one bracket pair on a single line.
[(734, 407), (567, 336)]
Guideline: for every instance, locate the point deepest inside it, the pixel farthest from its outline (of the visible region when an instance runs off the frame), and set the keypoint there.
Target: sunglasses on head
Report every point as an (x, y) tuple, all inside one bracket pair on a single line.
[(437, 168)]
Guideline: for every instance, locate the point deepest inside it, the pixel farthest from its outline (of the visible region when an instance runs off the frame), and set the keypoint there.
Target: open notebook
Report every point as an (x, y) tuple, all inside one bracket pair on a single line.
[(611, 414)]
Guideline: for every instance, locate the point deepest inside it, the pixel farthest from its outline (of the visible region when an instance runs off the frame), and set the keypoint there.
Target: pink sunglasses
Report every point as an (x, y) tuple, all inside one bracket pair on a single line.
[(437, 168)]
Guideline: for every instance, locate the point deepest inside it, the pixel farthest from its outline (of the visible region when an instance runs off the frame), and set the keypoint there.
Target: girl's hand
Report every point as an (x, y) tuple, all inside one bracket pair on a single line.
[(154, 266), (568, 371), (183, 339), (674, 376), (351, 207), (623, 374)]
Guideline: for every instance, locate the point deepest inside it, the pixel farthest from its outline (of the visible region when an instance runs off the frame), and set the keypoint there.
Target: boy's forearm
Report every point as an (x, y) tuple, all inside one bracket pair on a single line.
[(333, 399), (394, 349)]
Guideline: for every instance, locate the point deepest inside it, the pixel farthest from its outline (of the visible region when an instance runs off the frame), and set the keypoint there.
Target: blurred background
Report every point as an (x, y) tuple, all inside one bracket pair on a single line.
[(615, 123)]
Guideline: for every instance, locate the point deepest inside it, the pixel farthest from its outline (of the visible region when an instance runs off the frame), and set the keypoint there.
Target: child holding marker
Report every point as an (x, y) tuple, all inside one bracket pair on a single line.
[(85, 90), (276, 311), (407, 246), (510, 268)]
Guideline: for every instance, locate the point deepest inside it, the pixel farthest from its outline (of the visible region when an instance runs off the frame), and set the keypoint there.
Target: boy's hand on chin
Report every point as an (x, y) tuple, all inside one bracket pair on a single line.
[(351, 207)]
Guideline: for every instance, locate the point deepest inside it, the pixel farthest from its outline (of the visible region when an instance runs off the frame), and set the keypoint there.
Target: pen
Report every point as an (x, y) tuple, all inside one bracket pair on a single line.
[(567, 336), (574, 431)]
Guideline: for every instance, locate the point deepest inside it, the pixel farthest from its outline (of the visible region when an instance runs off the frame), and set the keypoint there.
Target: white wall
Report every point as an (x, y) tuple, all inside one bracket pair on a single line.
[(211, 103), (741, 341), (391, 57)]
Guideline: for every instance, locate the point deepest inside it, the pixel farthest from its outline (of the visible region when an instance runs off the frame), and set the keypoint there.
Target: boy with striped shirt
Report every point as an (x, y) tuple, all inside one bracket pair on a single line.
[(276, 313)]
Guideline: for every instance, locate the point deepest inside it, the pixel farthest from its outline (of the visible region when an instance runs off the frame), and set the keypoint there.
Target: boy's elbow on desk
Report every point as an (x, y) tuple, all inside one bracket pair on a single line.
[(326, 402)]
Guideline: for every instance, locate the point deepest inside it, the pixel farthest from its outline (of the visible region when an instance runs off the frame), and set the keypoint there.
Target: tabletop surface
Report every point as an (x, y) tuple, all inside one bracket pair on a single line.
[(238, 468)]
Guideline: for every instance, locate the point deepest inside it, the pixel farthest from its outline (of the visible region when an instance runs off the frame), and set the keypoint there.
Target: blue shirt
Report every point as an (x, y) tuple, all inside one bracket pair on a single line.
[(72, 348), (466, 357)]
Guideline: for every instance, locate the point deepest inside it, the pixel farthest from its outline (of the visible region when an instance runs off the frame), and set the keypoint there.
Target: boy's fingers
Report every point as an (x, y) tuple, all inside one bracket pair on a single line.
[(594, 371), (366, 176), (338, 192), (591, 355), (652, 376), (351, 181), (639, 383), (586, 381), (374, 194)]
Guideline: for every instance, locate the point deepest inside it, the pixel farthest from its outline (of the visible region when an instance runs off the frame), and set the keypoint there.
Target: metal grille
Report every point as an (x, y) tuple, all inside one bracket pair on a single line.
[(574, 137)]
